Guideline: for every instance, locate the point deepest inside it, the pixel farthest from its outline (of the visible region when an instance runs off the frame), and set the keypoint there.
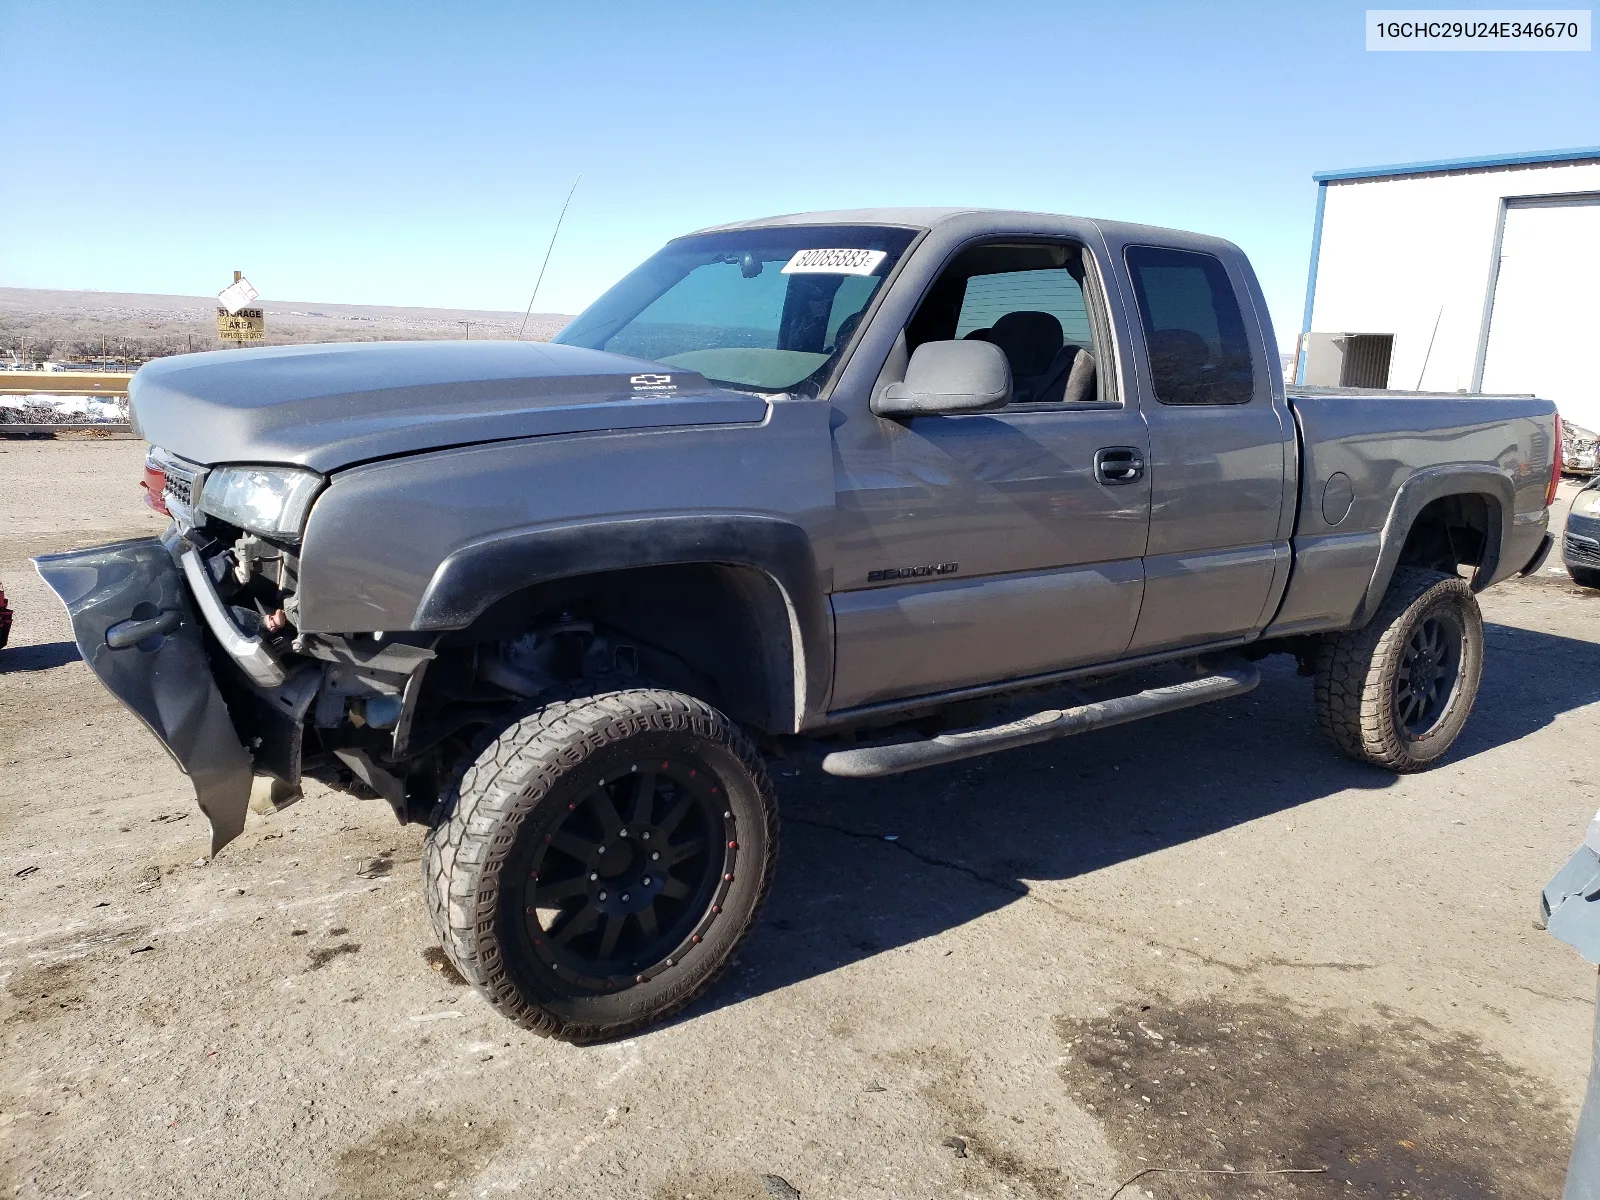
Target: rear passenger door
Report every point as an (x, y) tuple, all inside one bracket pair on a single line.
[(1220, 452)]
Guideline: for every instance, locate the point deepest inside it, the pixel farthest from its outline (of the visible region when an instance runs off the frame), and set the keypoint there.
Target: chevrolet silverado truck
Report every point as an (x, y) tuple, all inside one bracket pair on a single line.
[(814, 485)]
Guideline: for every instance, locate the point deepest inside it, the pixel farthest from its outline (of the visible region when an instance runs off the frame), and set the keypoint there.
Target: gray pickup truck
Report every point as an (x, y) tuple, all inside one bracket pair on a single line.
[(818, 485)]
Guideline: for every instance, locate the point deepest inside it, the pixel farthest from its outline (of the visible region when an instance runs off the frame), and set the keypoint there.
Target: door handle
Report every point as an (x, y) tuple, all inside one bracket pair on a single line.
[(133, 631), (1118, 464)]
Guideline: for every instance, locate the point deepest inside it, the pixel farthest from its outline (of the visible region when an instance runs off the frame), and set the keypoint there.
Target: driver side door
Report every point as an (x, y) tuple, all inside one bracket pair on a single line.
[(975, 548)]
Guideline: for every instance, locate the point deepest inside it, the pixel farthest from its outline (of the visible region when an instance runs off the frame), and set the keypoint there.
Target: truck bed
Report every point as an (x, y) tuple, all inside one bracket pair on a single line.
[(1371, 459)]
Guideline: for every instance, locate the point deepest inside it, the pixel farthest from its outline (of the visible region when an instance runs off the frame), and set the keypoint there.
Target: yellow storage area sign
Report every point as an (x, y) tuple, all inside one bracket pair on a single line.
[(246, 325)]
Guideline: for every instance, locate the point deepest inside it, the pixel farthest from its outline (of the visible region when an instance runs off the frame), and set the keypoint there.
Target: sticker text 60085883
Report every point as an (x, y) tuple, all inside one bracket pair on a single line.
[(834, 262)]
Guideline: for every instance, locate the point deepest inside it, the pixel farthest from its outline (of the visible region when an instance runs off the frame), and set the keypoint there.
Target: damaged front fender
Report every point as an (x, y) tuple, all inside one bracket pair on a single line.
[(136, 626)]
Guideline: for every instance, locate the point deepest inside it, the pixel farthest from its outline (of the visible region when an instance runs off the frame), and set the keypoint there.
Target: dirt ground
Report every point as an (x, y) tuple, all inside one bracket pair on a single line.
[(1203, 943)]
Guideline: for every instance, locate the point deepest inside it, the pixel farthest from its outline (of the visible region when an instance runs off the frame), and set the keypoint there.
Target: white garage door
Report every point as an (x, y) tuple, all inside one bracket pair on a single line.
[(1544, 330)]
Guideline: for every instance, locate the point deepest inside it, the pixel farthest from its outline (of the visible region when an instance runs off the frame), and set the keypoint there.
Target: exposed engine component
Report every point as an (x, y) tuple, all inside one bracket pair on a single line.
[(563, 650), (251, 554)]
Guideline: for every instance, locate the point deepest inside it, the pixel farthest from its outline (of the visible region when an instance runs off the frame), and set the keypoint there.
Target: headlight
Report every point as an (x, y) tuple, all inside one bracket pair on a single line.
[(269, 500)]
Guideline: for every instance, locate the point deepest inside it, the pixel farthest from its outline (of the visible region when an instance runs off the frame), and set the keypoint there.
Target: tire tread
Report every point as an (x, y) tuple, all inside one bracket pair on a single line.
[(492, 792), (1354, 671)]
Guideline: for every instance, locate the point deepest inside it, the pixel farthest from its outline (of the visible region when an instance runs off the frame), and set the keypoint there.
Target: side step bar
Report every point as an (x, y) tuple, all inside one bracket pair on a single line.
[(872, 762)]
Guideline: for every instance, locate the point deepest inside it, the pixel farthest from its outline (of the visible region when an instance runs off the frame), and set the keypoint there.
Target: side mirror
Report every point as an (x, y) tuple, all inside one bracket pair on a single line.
[(949, 377)]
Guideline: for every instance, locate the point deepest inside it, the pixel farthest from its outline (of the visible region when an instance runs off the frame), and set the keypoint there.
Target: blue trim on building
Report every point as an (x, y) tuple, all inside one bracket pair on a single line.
[(1311, 284), (1577, 154)]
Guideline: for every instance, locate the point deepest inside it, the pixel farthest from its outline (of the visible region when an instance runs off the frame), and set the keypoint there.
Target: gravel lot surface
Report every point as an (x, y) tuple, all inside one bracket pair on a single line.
[(1203, 942)]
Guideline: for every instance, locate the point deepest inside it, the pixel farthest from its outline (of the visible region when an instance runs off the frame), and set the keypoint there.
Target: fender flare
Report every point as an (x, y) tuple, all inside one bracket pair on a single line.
[(1421, 490), (478, 574)]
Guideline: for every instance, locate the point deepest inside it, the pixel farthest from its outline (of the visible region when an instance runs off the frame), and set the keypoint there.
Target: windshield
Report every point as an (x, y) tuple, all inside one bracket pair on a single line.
[(767, 310)]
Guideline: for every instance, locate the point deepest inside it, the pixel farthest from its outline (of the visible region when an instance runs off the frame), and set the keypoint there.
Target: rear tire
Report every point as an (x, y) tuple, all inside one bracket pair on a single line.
[(598, 865), (1397, 692)]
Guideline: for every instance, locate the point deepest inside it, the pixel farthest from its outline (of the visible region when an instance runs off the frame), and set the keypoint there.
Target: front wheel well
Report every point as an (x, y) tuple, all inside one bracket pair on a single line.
[(718, 631)]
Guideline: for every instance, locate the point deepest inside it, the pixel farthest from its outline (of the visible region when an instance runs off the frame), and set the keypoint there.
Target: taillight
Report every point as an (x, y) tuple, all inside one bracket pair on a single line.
[(1555, 465), (154, 484)]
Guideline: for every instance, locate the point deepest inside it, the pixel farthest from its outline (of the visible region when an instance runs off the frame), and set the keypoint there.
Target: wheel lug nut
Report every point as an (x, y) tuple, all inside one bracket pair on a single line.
[(624, 897), (645, 835), (593, 875), (654, 855), (645, 881), (602, 895)]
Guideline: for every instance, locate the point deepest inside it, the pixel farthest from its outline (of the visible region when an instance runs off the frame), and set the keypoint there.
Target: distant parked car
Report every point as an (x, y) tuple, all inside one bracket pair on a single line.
[(5, 619), (1581, 547)]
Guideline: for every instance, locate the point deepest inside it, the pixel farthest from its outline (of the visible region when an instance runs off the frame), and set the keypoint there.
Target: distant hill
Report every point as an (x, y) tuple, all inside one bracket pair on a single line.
[(75, 325)]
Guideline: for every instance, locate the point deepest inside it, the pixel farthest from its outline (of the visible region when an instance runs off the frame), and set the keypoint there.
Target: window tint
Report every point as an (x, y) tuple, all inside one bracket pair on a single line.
[(990, 297), (1199, 353)]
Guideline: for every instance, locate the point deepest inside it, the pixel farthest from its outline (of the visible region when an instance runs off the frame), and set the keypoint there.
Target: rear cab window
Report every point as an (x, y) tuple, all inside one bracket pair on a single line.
[(1194, 331)]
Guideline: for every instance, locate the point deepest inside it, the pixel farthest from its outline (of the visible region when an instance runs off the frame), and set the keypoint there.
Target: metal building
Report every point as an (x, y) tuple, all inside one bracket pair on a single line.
[(1474, 274)]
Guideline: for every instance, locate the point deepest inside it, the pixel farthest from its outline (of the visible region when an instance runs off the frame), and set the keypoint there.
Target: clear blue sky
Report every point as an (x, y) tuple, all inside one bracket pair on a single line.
[(408, 153)]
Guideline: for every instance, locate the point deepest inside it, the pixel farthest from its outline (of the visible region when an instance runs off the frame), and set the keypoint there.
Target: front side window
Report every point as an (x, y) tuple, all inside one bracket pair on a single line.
[(1199, 353), (1028, 299), (766, 310)]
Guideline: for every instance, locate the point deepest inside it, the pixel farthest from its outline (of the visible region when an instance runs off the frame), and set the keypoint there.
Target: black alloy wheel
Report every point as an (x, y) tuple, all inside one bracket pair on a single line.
[(630, 876), (1429, 671), (1396, 691), (600, 860)]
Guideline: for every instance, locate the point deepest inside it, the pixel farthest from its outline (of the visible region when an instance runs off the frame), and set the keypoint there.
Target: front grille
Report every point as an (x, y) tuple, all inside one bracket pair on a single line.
[(184, 481), (180, 485), (1582, 553)]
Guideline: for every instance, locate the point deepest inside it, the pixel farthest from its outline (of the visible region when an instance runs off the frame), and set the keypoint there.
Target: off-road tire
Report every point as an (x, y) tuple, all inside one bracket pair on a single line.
[(521, 783), (1358, 672), (1586, 577)]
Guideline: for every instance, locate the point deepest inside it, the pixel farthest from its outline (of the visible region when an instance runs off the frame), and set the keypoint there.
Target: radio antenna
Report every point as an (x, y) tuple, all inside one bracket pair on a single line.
[(547, 254)]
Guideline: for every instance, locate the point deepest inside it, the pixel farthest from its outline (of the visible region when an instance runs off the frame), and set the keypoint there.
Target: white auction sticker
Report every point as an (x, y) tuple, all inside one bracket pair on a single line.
[(834, 262)]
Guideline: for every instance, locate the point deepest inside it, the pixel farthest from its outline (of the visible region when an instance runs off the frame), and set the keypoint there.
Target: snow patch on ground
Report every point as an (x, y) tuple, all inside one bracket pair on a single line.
[(41, 409)]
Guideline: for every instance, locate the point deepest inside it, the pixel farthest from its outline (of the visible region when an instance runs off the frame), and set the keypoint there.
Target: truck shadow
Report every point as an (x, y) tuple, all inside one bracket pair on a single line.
[(42, 657), (870, 866)]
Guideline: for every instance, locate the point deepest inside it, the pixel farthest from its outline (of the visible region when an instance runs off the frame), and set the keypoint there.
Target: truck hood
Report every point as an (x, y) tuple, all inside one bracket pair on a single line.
[(330, 406)]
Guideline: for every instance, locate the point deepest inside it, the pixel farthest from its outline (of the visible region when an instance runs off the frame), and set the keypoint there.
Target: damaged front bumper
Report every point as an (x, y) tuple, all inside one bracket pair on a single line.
[(136, 617)]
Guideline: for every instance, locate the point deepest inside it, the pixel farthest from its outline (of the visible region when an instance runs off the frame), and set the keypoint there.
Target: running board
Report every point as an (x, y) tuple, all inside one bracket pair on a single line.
[(872, 762)]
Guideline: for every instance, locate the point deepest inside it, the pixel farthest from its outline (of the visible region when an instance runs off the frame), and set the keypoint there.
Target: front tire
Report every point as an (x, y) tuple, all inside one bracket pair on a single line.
[(1397, 692), (600, 862)]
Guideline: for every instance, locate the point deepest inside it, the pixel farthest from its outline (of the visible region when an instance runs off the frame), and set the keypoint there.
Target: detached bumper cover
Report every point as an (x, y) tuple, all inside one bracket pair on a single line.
[(136, 626)]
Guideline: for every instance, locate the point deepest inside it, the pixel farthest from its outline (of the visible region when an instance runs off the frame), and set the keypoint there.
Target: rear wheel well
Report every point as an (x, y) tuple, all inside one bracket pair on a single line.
[(1453, 532)]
